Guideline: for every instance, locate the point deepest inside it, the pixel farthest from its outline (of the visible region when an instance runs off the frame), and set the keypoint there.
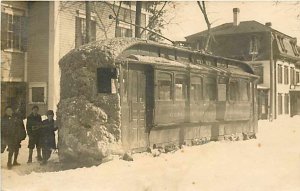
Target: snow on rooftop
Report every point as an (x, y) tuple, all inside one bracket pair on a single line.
[(156, 60)]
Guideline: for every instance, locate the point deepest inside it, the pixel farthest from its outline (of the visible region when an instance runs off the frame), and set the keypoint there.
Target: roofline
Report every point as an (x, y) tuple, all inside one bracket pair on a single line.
[(271, 29), (127, 43), (250, 69)]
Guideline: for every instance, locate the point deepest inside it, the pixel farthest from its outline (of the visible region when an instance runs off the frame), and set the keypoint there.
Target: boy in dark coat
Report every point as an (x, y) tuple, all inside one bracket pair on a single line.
[(33, 127), (12, 133), (48, 136)]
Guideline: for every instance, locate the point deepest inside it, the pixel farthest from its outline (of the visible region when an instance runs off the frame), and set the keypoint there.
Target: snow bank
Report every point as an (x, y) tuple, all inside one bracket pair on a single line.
[(271, 162), (89, 121)]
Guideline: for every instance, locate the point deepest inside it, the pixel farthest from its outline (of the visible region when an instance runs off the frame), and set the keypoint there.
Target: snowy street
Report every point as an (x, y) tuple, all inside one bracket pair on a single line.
[(271, 162)]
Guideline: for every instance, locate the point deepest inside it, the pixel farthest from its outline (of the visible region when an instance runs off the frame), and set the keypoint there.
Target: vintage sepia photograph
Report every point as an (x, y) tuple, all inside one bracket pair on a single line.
[(150, 95)]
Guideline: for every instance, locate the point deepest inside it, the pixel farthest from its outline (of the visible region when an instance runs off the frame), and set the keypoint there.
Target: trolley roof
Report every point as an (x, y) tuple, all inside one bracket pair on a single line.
[(112, 51)]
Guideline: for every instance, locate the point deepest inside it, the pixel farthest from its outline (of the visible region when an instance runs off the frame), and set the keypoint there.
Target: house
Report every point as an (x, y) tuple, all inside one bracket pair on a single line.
[(273, 55), (35, 35)]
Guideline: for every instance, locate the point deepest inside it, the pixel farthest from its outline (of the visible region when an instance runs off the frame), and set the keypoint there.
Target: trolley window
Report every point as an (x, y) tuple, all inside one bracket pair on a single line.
[(180, 87), (134, 86), (244, 90), (233, 91), (124, 86), (164, 86), (222, 88), (105, 80), (167, 53), (196, 89), (210, 89), (222, 92), (183, 56)]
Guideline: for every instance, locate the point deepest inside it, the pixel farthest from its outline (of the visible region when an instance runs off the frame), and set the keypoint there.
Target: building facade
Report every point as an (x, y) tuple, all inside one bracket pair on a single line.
[(273, 55), (35, 35)]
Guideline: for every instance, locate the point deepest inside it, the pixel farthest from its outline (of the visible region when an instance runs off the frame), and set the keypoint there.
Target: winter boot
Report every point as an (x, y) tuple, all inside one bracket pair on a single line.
[(15, 163), (30, 156), (9, 162)]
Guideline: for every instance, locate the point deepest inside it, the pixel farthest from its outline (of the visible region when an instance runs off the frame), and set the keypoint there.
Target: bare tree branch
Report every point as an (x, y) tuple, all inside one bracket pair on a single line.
[(102, 26), (202, 7), (116, 14), (155, 16)]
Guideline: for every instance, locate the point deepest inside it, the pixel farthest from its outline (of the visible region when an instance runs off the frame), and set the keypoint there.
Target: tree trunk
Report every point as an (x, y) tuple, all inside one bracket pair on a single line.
[(138, 13)]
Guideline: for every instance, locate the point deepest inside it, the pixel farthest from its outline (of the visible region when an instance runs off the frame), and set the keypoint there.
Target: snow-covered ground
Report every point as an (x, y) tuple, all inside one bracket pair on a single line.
[(271, 162)]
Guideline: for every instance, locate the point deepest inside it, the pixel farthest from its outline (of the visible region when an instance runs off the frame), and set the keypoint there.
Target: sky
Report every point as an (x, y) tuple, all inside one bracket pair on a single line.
[(186, 17)]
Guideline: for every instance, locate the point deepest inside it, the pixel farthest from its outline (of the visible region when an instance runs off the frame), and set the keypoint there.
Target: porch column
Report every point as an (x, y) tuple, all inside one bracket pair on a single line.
[(54, 73)]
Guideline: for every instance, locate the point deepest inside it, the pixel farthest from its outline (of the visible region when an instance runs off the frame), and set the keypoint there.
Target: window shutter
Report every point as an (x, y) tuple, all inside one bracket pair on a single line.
[(3, 31), (93, 30), (78, 38), (24, 33)]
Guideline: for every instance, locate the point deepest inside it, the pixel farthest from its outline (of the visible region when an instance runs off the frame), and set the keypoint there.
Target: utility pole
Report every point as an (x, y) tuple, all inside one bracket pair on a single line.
[(138, 12), (88, 21)]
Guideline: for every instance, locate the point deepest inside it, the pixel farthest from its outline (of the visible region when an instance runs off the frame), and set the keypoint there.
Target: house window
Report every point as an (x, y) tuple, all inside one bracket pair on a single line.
[(286, 103), (297, 77), (180, 87), (106, 80), (294, 47), (259, 71), (279, 104), (279, 74), (123, 30), (37, 93), (253, 46), (164, 86), (13, 32), (286, 75), (292, 76), (127, 2), (196, 89), (80, 31), (280, 39)]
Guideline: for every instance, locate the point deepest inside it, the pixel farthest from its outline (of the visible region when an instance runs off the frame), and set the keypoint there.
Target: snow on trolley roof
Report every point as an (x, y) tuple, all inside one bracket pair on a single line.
[(108, 51), (158, 61)]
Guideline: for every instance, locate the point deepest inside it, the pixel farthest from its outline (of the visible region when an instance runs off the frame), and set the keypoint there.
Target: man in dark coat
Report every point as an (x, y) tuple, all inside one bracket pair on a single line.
[(48, 136), (33, 127), (12, 133)]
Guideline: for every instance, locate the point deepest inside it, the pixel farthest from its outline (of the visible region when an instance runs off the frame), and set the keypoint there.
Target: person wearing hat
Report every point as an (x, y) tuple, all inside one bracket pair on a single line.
[(33, 126), (48, 136), (12, 133)]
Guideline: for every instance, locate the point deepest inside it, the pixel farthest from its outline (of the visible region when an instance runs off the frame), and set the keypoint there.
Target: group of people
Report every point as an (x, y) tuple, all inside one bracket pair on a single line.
[(41, 135)]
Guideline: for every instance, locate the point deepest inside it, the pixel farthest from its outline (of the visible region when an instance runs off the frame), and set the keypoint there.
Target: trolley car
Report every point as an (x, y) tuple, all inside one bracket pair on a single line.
[(166, 94)]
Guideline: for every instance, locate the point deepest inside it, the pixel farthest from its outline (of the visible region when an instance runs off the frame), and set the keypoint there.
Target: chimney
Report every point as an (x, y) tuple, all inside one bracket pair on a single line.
[(268, 24), (236, 20)]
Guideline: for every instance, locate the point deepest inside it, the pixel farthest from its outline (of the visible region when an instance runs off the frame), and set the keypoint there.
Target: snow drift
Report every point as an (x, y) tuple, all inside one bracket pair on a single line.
[(89, 121)]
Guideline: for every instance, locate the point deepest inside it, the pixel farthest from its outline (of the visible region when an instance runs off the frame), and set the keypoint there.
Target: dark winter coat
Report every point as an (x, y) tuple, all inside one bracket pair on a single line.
[(48, 134), (34, 124), (12, 132)]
